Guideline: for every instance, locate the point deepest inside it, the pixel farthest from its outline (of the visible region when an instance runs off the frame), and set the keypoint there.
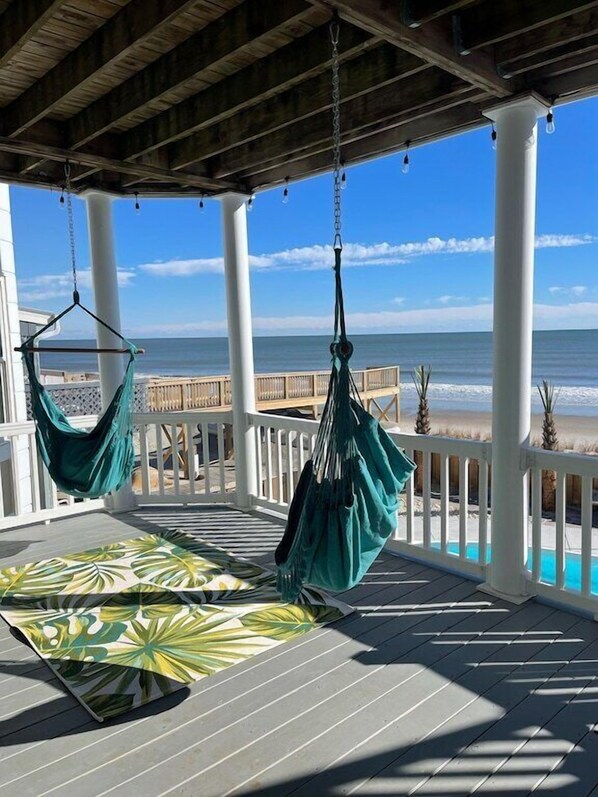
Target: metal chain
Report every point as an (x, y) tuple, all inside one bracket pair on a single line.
[(336, 133), (71, 223)]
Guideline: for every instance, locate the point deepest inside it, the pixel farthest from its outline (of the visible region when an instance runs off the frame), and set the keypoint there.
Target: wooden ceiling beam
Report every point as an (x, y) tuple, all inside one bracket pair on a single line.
[(433, 43), (368, 72), (20, 23), (564, 31), (467, 99), (548, 61), (491, 22), (112, 42), (417, 12), (578, 83), (300, 60), (416, 131), (231, 32), (18, 146), (575, 62), (377, 107)]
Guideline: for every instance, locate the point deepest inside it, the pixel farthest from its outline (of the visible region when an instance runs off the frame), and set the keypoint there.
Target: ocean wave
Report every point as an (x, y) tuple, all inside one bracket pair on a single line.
[(571, 396)]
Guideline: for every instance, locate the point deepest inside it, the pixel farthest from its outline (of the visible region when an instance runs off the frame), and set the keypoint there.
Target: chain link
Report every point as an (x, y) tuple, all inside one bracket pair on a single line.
[(71, 222), (336, 133)]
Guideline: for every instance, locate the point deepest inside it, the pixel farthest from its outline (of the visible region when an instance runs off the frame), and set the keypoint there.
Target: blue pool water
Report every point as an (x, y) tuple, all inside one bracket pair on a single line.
[(547, 566)]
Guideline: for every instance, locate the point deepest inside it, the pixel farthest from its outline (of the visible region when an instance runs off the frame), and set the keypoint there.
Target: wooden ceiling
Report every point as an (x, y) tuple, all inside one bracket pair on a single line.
[(167, 97)]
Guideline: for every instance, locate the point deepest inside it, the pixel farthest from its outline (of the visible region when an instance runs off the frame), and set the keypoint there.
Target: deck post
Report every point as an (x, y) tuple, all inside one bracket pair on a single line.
[(515, 216), (104, 279), (240, 343)]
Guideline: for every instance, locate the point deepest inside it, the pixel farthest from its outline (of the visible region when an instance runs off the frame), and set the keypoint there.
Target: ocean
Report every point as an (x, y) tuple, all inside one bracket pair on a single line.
[(461, 362)]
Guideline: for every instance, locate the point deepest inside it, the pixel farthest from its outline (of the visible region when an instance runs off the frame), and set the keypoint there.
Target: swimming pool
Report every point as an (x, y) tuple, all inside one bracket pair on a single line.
[(547, 564)]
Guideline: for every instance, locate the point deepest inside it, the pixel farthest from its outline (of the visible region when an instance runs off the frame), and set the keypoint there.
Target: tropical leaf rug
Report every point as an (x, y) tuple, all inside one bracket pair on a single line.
[(132, 621)]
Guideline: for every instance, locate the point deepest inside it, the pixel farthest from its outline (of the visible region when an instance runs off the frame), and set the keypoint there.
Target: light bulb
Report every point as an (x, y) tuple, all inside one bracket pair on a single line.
[(201, 205), (250, 203), (343, 180), (285, 196), (550, 128), (405, 167), (493, 137), (137, 205)]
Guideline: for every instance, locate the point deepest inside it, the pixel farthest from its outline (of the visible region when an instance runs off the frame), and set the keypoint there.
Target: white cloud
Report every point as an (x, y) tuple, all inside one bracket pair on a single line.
[(318, 256), (574, 290), (399, 300), (478, 317), (448, 299), (52, 286)]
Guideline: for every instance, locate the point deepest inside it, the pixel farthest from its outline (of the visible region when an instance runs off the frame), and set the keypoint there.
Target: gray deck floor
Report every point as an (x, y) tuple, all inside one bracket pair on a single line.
[(432, 689)]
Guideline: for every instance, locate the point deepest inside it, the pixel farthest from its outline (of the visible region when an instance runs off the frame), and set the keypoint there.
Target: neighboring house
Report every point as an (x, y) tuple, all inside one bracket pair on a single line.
[(15, 324)]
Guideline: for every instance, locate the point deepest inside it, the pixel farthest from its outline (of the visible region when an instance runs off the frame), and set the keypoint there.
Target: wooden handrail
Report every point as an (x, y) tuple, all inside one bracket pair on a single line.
[(275, 390)]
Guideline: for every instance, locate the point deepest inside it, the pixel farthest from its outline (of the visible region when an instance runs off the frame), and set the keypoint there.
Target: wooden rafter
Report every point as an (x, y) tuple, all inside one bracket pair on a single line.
[(490, 23), (370, 71), (20, 23), (300, 60), (112, 42), (433, 42), (416, 131), (220, 39), (568, 30), (20, 147), (417, 12), (357, 118)]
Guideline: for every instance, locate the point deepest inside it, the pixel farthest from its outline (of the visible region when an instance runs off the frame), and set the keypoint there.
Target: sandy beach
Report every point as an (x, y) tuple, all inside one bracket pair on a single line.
[(575, 432)]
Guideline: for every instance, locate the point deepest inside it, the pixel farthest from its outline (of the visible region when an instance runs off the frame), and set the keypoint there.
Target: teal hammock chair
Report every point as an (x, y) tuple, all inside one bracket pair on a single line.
[(346, 502), (85, 464)]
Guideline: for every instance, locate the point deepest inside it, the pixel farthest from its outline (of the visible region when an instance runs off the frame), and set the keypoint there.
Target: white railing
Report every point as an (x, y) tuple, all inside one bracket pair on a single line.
[(563, 496), (184, 457), (181, 458), (283, 446), (27, 494), (445, 514), (187, 458), (436, 520)]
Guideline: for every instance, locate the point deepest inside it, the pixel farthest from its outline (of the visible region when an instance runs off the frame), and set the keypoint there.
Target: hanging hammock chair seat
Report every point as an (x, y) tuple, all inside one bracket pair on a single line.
[(347, 499), (85, 464)]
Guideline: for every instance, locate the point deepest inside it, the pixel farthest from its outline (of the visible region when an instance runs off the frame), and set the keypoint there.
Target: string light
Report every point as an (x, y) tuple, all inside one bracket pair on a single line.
[(250, 202), (285, 193), (405, 168), (61, 200), (137, 205), (343, 178), (201, 205), (550, 128), (493, 136)]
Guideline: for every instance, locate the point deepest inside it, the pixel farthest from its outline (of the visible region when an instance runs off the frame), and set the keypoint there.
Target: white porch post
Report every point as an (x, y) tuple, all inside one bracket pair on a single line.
[(107, 306), (516, 128), (240, 342)]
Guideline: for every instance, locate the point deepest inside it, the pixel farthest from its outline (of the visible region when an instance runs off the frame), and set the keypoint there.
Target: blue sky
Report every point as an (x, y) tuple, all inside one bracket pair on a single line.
[(417, 246)]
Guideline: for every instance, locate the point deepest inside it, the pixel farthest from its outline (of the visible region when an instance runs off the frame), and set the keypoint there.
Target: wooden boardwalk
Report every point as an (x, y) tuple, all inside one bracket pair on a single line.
[(432, 689)]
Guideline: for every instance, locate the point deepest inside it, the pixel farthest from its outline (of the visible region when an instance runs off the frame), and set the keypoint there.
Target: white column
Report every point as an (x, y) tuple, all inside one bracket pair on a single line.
[(104, 278), (516, 128), (240, 342), (10, 336)]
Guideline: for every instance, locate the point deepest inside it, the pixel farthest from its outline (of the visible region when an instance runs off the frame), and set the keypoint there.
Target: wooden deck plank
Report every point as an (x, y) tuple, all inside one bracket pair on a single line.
[(314, 696), (540, 703), (357, 752), (495, 688), (549, 746), (432, 689), (255, 682), (367, 591)]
